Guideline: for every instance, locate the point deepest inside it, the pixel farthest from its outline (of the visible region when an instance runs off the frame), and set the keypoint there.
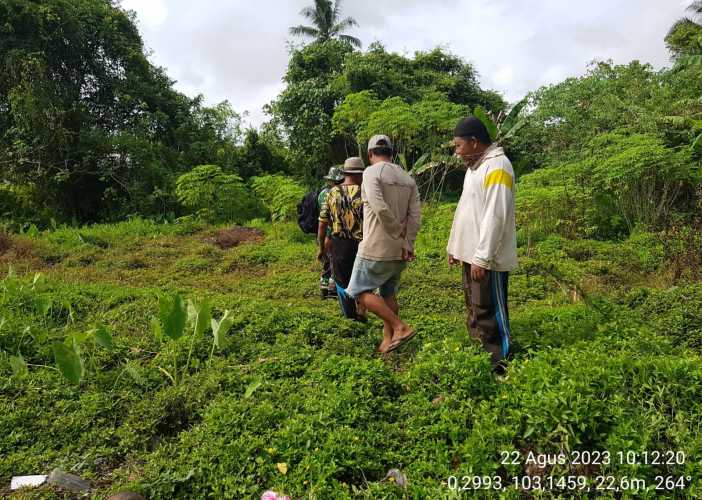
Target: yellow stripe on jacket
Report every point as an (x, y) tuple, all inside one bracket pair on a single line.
[(499, 176)]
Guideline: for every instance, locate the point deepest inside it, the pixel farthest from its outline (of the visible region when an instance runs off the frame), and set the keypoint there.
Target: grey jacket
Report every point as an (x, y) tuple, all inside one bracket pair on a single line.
[(392, 212)]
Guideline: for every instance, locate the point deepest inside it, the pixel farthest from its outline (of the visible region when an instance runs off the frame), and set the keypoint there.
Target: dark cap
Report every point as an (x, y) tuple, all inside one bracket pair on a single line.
[(472, 127)]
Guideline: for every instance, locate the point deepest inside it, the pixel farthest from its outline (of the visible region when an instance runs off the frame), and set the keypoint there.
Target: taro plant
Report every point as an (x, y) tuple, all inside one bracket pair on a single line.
[(177, 320), (68, 355), (18, 293)]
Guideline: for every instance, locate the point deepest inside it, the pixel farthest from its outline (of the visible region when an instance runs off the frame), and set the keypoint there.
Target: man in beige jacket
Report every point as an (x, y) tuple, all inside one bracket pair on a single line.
[(391, 222)]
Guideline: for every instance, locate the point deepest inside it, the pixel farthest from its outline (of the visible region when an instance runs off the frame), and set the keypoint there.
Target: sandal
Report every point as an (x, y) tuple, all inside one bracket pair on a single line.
[(401, 341)]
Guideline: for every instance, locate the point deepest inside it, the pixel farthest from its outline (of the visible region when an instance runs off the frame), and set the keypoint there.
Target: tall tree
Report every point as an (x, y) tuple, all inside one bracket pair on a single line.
[(684, 39), (87, 122), (327, 23)]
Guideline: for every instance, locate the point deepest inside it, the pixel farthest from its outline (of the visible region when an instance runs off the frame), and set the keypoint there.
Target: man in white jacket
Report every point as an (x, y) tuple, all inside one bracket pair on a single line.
[(483, 236)]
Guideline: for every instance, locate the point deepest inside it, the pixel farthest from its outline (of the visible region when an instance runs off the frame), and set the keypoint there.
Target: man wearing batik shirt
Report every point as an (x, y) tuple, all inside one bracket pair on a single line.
[(327, 286), (342, 216), (483, 236)]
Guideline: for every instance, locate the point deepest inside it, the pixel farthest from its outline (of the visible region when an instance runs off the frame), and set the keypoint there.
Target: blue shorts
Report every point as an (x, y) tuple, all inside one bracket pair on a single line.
[(367, 275)]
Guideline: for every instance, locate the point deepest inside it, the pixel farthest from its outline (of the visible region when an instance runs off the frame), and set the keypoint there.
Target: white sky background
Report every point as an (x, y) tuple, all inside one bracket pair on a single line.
[(238, 49)]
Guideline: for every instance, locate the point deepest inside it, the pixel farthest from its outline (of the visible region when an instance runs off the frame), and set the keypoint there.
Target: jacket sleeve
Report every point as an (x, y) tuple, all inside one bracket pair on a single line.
[(414, 219), (499, 198), (376, 201)]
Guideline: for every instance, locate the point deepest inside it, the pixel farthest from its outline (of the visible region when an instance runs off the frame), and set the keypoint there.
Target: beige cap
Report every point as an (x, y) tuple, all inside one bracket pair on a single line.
[(353, 165), (379, 141)]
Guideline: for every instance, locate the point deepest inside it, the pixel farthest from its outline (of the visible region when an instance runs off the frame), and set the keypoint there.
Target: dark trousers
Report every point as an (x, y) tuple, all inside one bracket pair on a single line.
[(343, 255), (327, 271), (487, 313), (326, 266)]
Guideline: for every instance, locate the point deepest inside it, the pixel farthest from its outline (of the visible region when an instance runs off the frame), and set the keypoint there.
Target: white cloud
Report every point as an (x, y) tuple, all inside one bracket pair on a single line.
[(151, 13), (238, 50), (504, 76)]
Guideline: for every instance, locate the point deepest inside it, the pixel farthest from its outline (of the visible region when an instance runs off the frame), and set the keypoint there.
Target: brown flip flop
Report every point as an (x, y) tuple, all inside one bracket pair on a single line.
[(401, 341)]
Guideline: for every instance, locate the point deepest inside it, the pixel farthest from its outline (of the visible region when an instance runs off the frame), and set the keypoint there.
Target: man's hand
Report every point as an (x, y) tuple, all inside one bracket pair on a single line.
[(477, 273), (320, 249), (407, 256), (452, 261), (403, 234)]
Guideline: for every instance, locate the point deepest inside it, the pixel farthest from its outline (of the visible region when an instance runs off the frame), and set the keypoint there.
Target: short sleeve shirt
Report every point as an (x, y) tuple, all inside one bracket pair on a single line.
[(343, 210)]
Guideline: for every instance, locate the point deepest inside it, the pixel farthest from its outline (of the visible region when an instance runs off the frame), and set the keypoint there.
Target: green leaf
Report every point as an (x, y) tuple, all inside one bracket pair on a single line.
[(252, 388), (78, 338), (512, 118), (221, 327), (514, 129), (697, 144), (426, 167), (173, 314), (68, 363), (37, 281), (483, 116), (157, 329), (18, 365), (132, 369), (200, 316), (102, 336), (689, 61), (402, 159), (42, 305), (421, 162), (68, 307)]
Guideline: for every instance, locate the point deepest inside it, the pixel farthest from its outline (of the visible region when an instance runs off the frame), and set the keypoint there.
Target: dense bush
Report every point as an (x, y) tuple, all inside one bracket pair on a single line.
[(620, 182), (20, 206), (279, 194), (216, 196)]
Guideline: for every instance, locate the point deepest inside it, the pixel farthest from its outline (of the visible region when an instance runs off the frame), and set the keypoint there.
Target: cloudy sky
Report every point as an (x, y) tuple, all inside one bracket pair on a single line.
[(238, 49)]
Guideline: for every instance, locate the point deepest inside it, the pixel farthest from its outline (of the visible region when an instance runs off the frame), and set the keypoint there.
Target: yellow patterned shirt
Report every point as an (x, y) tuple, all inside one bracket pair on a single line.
[(343, 211)]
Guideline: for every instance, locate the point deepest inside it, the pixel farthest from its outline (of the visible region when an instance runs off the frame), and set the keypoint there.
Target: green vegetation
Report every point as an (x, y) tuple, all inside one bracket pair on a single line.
[(604, 359), (163, 350)]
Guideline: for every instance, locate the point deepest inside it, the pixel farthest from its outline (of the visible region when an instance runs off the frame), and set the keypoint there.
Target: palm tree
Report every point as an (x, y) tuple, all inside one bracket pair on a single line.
[(326, 24), (689, 34)]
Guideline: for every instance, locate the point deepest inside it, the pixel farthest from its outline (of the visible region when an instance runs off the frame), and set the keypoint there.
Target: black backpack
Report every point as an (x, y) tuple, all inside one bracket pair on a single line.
[(308, 213)]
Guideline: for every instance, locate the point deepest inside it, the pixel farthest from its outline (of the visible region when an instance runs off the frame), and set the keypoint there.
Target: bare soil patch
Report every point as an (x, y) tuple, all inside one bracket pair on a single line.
[(235, 236)]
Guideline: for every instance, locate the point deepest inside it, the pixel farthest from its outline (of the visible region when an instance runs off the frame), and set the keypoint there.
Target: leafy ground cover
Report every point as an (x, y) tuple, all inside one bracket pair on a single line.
[(606, 357)]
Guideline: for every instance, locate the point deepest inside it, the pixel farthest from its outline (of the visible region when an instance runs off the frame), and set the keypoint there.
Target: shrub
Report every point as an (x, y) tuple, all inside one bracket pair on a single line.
[(622, 182), (279, 194), (644, 179), (558, 200), (216, 196), (22, 206)]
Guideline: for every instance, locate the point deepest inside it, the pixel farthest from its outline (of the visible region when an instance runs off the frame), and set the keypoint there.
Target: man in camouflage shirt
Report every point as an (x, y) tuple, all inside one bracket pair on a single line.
[(327, 287)]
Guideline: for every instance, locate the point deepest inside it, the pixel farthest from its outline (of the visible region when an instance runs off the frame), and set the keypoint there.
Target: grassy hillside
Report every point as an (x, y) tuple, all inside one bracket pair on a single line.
[(607, 357)]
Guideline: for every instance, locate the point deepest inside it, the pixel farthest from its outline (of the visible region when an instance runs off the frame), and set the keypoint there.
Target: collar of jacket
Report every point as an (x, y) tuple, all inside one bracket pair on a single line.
[(493, 151)]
